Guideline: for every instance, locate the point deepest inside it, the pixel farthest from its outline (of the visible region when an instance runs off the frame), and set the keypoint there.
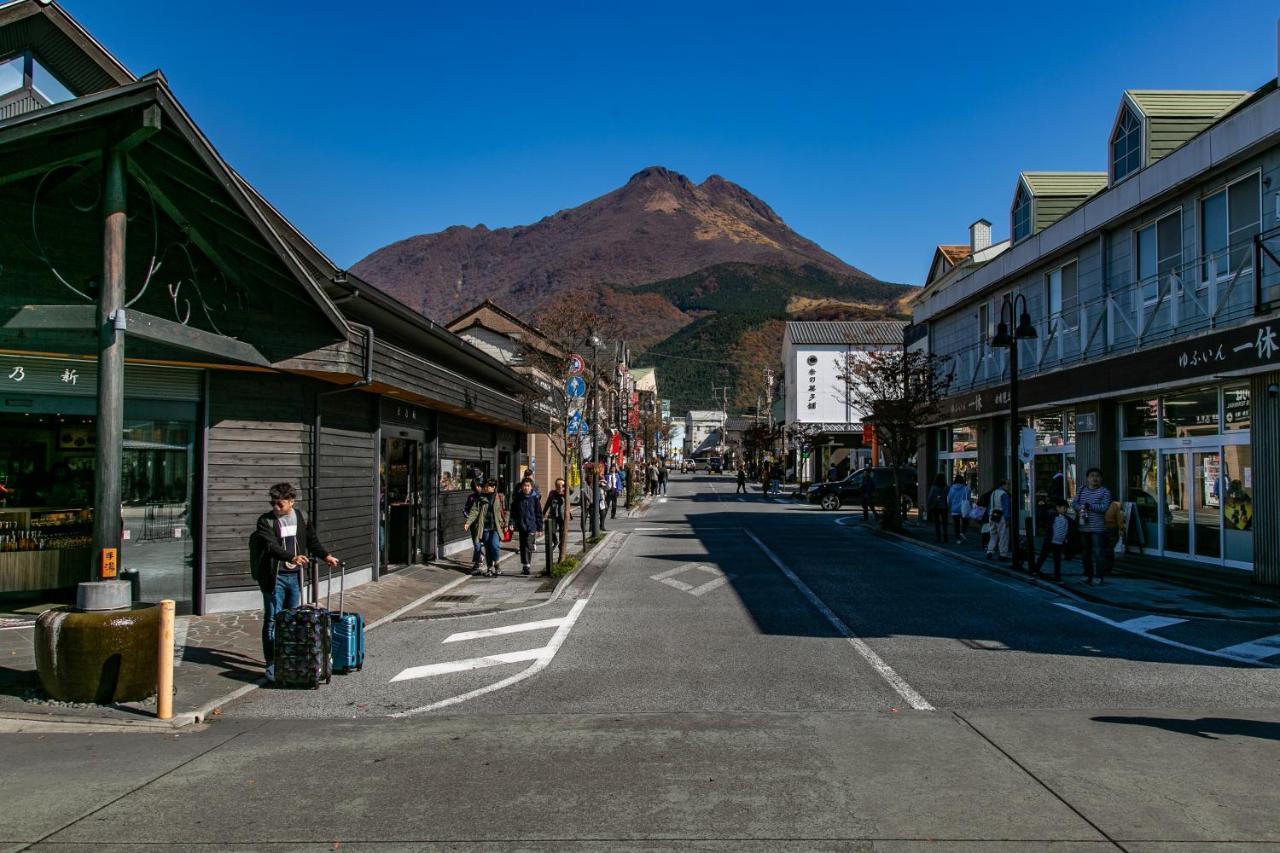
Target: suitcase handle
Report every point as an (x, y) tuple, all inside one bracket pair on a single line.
[(342, 584)]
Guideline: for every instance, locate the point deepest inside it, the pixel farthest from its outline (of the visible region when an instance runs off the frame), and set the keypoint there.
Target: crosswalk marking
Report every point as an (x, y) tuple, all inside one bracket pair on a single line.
[(468, 664), (1263, 647), (505, 629), (1143, 624)]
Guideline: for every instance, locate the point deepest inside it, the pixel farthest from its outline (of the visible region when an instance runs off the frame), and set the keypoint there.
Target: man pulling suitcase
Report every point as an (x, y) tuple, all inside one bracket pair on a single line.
[(278, 551)]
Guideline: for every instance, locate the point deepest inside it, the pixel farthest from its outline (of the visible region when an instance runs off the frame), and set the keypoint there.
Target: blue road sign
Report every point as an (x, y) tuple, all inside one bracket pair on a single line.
[(577, 424), (576, 386)]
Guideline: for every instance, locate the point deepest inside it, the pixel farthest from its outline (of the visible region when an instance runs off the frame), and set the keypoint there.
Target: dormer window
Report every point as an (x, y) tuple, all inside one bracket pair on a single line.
[(1126, 145), (24, 74), (1021, 214)]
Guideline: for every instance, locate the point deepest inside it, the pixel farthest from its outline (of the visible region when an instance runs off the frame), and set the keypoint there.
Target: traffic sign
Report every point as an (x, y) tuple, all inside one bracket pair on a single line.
[(576, 364), (577, 424), (575, 386)]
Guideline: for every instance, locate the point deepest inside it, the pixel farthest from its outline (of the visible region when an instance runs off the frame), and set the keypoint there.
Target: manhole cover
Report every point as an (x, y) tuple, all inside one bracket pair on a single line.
[(456, 598)]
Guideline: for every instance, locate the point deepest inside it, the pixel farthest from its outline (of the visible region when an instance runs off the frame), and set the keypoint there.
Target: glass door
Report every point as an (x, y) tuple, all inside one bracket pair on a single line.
[(1175, 503), (402, 490), (1206, 504)]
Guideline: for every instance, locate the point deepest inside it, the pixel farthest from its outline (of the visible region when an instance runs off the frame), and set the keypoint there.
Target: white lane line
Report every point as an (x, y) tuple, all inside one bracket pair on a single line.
[(1225, 654), (899, 685), (1143, 624), (505, 629), (540, 663), (1255, 650), (464, 665), (417, 602)]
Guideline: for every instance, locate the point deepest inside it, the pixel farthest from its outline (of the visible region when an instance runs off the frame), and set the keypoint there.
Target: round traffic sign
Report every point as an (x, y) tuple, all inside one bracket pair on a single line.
[(575, 386), (576, 364)]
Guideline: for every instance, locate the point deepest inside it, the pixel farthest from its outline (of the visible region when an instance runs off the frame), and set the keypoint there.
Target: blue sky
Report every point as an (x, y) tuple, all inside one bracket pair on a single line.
[(876, 131)]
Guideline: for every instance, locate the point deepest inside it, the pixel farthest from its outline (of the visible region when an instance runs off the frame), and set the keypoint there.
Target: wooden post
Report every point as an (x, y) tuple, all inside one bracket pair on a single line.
[(164, 666), (111, 324)]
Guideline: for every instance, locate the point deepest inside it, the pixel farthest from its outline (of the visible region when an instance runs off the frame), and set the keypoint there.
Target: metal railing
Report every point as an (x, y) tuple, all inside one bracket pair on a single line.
[(1212, 291)]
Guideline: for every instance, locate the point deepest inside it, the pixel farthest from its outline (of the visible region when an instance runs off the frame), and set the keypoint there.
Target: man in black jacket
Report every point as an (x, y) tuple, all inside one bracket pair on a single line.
[(278, 552)]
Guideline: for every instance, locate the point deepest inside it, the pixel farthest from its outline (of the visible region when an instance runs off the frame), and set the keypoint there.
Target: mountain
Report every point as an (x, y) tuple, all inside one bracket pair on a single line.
[(658, 226)]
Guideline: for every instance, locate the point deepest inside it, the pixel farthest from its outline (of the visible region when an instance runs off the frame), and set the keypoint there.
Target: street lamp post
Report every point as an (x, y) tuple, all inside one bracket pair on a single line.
[(594, 341), (1023, 331)]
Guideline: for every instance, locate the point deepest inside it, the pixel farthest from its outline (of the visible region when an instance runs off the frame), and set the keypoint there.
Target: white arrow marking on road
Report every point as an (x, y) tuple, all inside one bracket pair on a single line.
[(468, 664), (1255, 649), (546, 653), (505, 629), (899, 685)]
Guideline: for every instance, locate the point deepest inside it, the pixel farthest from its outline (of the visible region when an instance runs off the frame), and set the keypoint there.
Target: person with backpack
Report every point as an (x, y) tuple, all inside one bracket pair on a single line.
[(936, 501), (278, 549), (485, 522), (960, 502), (526, 511)]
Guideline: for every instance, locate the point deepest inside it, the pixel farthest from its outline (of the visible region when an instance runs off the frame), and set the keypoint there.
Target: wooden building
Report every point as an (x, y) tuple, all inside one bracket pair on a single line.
[(251, 357)]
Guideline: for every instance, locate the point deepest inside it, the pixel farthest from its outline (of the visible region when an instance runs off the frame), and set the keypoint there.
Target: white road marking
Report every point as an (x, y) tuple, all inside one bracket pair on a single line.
[(662, 500), (540, 663), (467, 664), (899, 685), (1225, 654), (668, 578), (1143, 624), (1255, 650), (505, 629)]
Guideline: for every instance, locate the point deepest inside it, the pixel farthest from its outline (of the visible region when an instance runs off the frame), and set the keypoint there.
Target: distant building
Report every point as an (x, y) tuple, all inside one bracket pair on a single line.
[(704, 433), (818, 413)]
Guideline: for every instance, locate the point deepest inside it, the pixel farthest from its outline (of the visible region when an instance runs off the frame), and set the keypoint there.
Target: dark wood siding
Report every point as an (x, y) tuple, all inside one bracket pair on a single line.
[(394, 366), (1265, 437), (260, 429)]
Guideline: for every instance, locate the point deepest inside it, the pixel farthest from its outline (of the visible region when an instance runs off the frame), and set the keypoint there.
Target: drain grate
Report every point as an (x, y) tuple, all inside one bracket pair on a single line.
[(456, 598)]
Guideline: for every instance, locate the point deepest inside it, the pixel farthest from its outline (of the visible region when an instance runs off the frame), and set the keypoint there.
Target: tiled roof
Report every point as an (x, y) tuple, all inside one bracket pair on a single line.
[(738, 424), (867, 332), (955, 254)]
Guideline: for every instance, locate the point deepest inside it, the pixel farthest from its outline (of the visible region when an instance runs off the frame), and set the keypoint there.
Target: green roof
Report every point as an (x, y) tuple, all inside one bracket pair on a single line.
[(1159, 103), (1073, 184)]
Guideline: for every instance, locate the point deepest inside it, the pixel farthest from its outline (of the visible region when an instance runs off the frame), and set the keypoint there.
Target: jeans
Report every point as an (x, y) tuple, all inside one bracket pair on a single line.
[(527, 542), (939, 524), (1096, 545), (960, 524), (662, 484), (286, 595), (491, 544), (477, 547)]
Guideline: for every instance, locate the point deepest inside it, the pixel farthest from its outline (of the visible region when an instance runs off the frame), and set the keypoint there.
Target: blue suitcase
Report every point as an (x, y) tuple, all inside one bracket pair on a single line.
[(346, 633)]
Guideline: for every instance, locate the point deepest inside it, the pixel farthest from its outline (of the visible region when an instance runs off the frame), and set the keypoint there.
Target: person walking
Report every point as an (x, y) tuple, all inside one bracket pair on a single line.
[(959, 502), (1057, 540), (742, 482), (613, 485), (1092, 503), (526, 512), (936, 501), (868, 492), (477, 492), (488, 517), (998, 544), (652, 475), (555, 511), (278, 549), (662, 476)]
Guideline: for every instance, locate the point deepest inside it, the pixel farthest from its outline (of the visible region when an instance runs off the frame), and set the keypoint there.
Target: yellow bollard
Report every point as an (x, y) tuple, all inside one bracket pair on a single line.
[(164, 669)]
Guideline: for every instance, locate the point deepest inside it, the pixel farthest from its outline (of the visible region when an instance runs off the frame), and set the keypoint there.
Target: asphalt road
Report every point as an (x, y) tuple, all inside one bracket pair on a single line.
[(743, 674)]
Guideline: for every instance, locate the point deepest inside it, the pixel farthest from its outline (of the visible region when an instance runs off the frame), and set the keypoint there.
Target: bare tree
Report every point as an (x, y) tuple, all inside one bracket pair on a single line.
[(899, 392)]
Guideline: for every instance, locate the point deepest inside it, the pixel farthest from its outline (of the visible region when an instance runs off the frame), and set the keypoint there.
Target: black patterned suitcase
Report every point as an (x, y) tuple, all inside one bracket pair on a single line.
[(304, 637)]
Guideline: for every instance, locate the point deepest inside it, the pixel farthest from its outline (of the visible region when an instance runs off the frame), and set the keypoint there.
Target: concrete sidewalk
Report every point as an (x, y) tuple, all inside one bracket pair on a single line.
[(219, 657), (1123, 589)]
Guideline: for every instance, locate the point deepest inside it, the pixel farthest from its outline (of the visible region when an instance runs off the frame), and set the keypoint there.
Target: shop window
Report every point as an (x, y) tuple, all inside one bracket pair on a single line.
[(1141, 487), (1140, 418), (1237, 508), (1236, 408), (1193, 413), (1049, 430), (457, 475), (964, 439)]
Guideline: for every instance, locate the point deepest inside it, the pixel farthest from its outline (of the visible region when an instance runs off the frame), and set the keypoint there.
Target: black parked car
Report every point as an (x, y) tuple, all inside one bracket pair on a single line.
[(848, 492)]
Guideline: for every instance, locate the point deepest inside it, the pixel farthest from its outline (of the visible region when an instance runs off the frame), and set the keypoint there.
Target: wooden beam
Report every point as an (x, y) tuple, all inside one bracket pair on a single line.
[(51, 317), (148, 327)]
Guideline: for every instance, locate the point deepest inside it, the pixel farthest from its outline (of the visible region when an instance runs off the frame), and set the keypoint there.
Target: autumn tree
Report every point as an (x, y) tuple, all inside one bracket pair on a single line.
[(756, 355), (899, 392)]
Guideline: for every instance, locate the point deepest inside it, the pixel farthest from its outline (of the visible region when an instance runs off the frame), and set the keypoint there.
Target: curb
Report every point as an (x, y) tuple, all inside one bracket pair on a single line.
[(37, 723), (1064, 591)]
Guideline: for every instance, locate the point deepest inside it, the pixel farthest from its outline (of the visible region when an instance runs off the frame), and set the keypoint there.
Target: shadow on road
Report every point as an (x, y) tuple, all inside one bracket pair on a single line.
[(1205, 727)]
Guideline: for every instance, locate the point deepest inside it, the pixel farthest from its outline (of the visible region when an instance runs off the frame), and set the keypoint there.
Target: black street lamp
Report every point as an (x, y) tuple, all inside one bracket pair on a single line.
[(594, 341), (1023, 331)]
